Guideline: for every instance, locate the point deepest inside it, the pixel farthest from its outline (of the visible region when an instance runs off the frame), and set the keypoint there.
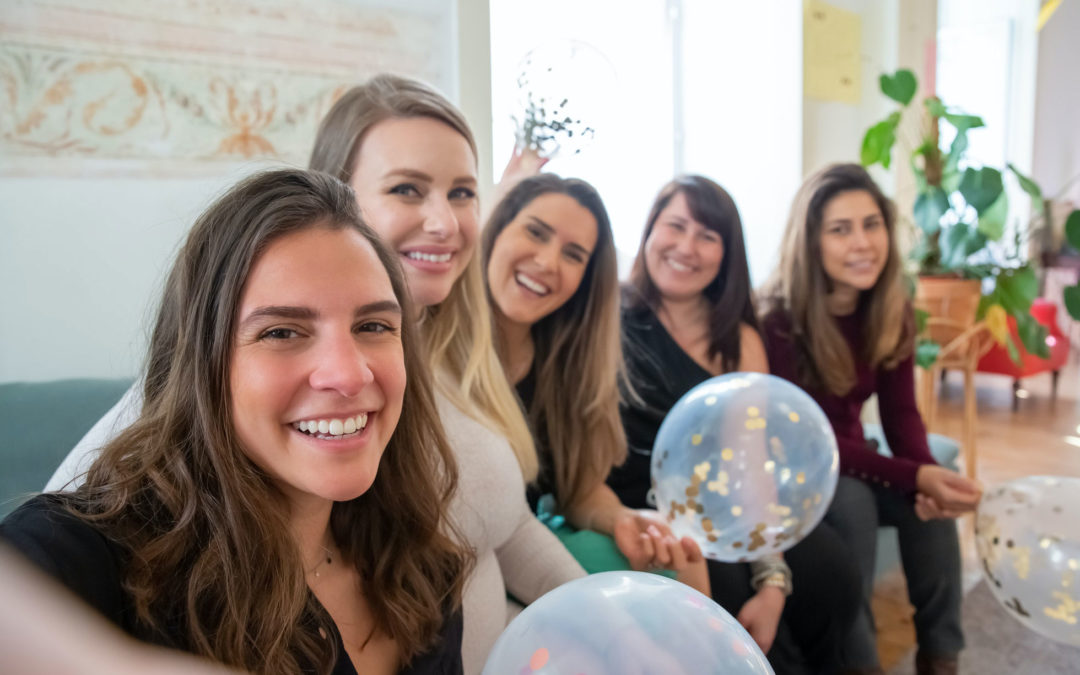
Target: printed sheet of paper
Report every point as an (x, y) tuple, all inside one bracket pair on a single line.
[(832, 37)]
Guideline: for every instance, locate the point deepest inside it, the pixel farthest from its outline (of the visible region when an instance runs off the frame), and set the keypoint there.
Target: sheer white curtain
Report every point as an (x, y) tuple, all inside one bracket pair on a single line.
[(703, 86)]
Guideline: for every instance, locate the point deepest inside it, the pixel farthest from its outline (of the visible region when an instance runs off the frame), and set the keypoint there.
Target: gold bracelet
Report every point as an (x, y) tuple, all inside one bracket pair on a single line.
[(778, 580)]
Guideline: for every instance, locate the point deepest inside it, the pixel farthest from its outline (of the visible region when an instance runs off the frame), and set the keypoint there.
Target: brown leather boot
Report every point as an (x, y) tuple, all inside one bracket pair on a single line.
[(935, 665)]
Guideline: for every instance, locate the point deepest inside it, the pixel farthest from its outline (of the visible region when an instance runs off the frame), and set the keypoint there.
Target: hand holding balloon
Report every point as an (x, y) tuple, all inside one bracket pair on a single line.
[(746, 464), (621, 623), (648, 543)]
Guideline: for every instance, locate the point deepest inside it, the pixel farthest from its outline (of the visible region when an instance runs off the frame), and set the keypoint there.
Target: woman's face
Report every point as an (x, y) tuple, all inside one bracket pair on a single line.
[(317, 372), (682, 256), (539, 258), (415, 182), (854, 241)]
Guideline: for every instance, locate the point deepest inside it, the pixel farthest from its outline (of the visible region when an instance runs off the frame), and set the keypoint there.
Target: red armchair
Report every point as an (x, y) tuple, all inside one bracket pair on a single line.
[(997, 359)]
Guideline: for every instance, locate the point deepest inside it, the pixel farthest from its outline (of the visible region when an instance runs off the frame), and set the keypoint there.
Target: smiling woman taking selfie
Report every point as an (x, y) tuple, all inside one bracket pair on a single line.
[(250, 513), (410, 157)]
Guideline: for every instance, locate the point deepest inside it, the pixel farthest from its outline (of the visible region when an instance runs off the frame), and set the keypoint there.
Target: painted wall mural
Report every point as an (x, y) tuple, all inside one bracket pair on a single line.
[(134, 86)]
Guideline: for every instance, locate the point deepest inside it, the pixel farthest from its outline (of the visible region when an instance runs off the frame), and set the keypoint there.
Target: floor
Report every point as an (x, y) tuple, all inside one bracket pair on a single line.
[(1042, 437)]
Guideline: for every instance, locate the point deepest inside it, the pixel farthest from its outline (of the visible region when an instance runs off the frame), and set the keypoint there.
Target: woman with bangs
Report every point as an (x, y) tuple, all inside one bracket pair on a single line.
[(839, 324), (688, 315), (552, 279), (410, 157), (238, 517)]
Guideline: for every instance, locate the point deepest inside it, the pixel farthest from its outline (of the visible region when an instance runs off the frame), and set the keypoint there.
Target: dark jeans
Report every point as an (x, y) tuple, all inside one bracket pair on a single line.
[(818, 614), (930, 553)]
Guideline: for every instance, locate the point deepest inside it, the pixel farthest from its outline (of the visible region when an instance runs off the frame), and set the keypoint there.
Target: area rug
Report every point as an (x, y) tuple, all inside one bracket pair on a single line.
[(998, 643)]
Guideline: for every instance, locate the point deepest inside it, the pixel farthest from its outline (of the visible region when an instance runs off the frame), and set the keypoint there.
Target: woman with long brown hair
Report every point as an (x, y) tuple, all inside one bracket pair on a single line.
[(552, 279), (251, 513), (688, 315), (839, 324), (411, 158)]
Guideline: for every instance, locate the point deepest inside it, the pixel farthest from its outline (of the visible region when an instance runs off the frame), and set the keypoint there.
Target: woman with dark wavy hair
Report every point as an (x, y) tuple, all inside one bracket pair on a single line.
[(688, 315), (279, 503)]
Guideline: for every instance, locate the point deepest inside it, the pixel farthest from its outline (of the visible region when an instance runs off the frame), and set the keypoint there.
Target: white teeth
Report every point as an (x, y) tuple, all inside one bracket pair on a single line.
[(430, 257), (678, 266), (533, 286), (334, 427)]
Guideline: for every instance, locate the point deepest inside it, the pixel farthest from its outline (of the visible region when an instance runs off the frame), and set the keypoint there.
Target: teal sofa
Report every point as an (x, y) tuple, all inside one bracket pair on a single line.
[(42, 421), (945, 450)]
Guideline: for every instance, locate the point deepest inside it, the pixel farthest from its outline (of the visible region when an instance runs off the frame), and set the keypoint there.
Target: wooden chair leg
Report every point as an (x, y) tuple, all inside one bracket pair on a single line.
[(1016, 399), (927, 399), (970, 412), (1053, 385)]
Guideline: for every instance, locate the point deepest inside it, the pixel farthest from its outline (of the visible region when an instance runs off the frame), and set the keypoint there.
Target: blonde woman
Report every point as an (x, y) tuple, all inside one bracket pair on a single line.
[(410, 157), (549, 262)]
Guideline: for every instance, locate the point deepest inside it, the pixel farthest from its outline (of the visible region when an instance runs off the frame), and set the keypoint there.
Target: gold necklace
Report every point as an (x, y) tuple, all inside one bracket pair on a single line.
[(327, 560)]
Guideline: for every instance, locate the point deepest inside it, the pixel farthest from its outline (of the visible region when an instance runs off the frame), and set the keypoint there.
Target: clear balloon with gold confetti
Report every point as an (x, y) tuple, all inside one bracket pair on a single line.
[(746, 464), (614, 623), (1027, 534)]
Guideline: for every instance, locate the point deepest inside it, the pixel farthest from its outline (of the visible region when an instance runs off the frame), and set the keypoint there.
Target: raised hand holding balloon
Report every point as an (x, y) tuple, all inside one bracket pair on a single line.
[(625, 623), (564, 91), (1027, 534), (746, 464)]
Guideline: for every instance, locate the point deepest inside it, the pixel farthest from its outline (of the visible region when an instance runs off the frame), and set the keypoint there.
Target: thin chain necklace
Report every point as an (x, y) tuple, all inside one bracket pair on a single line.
[(325, 559)]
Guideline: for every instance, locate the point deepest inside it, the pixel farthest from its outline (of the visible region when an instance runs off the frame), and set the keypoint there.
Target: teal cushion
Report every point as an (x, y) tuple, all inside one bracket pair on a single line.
[(944, 449), (42, 422)]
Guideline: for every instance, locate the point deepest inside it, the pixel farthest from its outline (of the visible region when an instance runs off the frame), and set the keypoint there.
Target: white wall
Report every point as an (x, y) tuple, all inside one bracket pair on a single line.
[(83, 256), (81, 264), (742, 111), (1056, 158)]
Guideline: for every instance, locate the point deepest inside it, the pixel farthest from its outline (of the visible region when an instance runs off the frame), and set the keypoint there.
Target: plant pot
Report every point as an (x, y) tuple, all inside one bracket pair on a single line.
[(951, 304)]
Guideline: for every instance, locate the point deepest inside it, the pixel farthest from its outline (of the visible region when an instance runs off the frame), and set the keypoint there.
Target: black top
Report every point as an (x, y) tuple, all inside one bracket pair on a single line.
[(545, 477), (80, 557), (660, 372)]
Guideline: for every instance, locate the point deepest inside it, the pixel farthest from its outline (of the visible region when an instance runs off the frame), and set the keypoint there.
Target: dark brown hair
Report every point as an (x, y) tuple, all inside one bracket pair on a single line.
[(211, 557), (577, 351), (800, 287), (729, 295)]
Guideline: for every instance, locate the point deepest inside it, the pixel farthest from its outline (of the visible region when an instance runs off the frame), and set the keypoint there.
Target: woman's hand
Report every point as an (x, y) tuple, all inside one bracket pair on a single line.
[(926, 508), (949, 491), (648, 543), (761, 615)]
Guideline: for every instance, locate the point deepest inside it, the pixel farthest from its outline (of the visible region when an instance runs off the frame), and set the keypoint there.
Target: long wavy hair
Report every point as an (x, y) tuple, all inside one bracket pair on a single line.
[(729, 295), (211, 562), (578, 356), (800, 287), (456, 333)]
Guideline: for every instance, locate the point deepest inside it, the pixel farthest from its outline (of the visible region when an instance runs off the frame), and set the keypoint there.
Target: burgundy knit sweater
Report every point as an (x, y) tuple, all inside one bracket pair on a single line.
[(900, 420)]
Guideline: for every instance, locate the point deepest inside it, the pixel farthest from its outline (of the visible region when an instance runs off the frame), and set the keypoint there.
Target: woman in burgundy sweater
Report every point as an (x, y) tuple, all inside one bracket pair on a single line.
[(837, 323)]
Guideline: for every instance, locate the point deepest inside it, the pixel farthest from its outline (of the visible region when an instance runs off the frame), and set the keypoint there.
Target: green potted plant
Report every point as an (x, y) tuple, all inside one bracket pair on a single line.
[(960, 213)]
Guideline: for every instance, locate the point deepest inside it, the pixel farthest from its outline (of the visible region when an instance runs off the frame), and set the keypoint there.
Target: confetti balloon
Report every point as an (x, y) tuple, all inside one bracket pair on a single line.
[(614, 623), (1027, 533), (565, 90), (746, 464)]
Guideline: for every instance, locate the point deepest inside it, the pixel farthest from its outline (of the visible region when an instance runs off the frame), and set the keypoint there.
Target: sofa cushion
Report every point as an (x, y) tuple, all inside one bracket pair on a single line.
[(42, 422)]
